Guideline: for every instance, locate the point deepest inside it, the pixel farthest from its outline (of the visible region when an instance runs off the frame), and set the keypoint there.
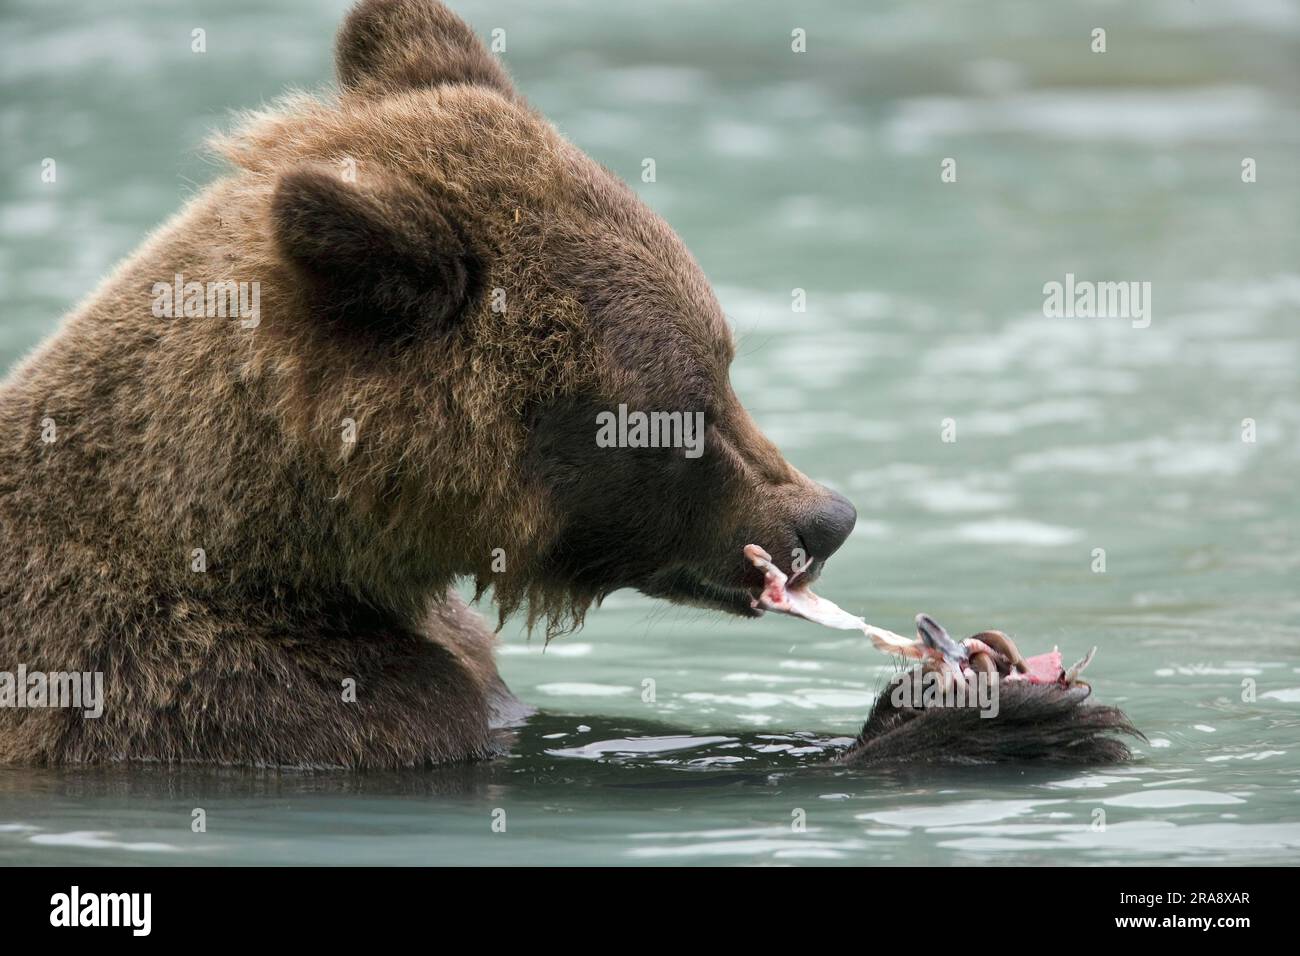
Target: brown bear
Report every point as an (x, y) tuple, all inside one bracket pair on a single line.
[(250, 523)]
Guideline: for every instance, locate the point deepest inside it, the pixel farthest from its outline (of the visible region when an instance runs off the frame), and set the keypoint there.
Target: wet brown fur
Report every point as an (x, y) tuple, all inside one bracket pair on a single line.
[(1042, 723), (330, 560)]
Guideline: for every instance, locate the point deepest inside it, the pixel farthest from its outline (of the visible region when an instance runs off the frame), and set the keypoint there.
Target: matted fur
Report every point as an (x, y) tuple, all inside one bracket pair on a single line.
[(1040, 723), (328, 560)]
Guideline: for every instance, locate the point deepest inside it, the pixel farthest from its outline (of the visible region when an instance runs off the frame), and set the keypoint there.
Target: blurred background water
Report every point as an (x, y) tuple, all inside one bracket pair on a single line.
[(818, 171)]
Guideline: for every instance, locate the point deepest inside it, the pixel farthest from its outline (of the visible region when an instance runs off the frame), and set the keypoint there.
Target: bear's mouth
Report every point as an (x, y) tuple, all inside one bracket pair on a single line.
[(685, 586), (689, 587)]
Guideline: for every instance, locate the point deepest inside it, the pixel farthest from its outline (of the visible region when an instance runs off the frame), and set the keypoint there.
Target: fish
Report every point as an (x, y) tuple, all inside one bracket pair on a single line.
[(987, 652)]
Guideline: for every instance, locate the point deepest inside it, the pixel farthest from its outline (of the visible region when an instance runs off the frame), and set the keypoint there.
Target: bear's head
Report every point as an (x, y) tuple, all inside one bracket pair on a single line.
[(498, 317)]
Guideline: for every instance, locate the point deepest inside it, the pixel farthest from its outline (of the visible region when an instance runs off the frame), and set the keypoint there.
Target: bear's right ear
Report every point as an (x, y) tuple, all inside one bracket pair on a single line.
[(389, 261), (386, 46)]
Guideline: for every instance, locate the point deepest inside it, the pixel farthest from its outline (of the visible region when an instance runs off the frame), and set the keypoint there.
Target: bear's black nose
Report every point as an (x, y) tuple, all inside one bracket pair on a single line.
[(828, 525)]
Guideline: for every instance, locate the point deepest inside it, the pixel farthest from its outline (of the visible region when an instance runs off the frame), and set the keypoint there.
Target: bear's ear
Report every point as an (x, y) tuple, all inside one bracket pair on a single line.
[(391, 261), (386, 46)]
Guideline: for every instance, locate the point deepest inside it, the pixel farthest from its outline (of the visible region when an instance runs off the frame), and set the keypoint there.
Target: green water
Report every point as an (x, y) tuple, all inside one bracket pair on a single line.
[(818, 171)]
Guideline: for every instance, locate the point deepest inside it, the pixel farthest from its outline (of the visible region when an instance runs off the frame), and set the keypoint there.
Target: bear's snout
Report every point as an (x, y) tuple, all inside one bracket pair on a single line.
[(827, 525)]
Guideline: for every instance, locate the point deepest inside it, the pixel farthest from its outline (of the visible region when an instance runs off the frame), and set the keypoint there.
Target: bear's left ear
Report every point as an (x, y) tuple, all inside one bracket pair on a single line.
[(391, 260), (386, 46)]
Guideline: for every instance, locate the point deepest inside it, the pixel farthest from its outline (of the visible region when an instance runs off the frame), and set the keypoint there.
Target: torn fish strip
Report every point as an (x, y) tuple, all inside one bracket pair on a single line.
[(801, 602), (987, 651)]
